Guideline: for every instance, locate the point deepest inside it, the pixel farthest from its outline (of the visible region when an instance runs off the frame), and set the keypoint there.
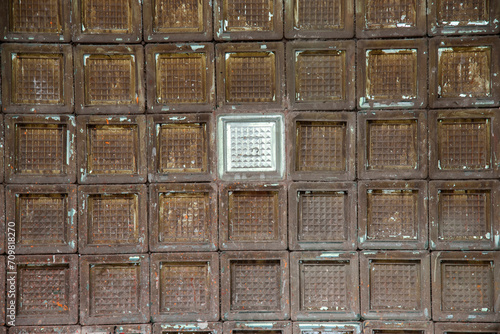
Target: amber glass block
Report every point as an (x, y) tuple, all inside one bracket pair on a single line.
[(253, 216), (184, 217), (181, 78), (110, 79), (177, 16), (462, 13), (464, 215), (255, 285), (467, 286), (175, 295), (242, 15), (114, 289), (320, 75), (392, 214), (37, 78), (112, 149), (464, 144), (40, 149), (464, 72), (392, 144), (113, 219), (394, 285), (380, 14), (39, 16), (182, 147), (250, 77), (391, 74), (314, 208), (321, 146), (106, 16), (41, 219), (319, 14)]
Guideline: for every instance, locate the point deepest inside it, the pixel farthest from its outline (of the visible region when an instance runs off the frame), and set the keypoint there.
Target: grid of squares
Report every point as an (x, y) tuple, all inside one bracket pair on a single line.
[(340, 273)]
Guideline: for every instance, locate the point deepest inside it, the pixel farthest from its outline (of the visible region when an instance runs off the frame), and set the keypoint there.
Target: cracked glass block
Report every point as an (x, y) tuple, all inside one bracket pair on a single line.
[(251, 144)]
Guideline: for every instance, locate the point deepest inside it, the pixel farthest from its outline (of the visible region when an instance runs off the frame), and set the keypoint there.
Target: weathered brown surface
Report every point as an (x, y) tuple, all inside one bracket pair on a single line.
[(322, 216), (47, 289), (45, 218), (40, 149), (392, 145), (319, 19), (114, 289), (324, 285), (183, 217), (392, 215), (112, 219), (465, 286), (255, 286), (395, 285), (112, 149), (320, 75), (185, 287)]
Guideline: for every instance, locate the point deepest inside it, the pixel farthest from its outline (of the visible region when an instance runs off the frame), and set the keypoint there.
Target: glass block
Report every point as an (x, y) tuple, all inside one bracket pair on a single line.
[(391, 74), (464, 72), (250, 77), (251, 145), (319, 19), (109, 80), (464, 144)]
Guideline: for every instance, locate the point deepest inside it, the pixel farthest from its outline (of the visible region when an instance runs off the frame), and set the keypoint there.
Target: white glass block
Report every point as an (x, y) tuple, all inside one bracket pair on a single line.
[(251, 146)]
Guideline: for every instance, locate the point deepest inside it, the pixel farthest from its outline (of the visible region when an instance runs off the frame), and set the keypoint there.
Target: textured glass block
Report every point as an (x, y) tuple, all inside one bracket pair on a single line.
[(464, 214), (37, 78), (324, 285), (41, 149), (392, 144), (394, 285), (184, 287), (322, 216), (390, 14), (253, 216), (37, 16), (109, 79), (177, 16), (41, 219), (114, 289), (319, 14), (321, 146), (464, 144), (112, 149), (245, 15), (106, 16), (392, 214), (251, 144), (391, 74), (184, 217), (255, 285), (113, 219), (467, 286), (462, 13), (250, 77), (464, 72), (42, 290), (181, 78), (320, 75)]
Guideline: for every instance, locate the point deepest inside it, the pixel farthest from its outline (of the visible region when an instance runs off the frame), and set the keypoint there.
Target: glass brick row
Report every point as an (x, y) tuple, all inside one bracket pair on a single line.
[(120, 21), (277, 285), (194, 217), (391, 74)]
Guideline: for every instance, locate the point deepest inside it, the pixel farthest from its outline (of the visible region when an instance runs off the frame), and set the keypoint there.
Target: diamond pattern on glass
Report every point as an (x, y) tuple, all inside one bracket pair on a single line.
[(394, 286), (467, 286), (251, 147)]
